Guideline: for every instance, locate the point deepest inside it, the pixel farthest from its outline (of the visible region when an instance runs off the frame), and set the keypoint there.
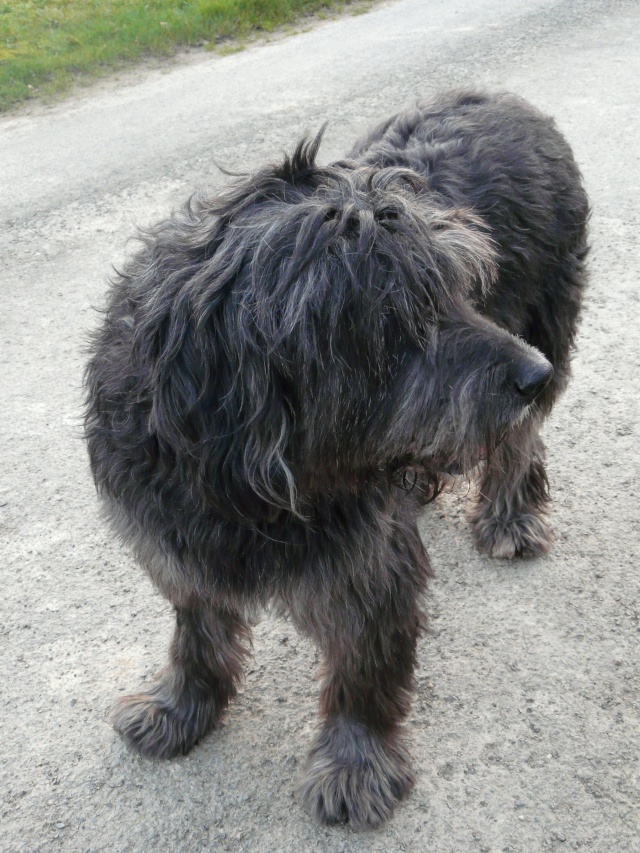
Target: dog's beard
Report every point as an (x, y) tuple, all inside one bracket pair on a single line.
[(466, 453)]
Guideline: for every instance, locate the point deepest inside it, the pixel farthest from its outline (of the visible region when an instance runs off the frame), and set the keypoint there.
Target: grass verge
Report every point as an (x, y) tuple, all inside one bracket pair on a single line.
[(48, 45)]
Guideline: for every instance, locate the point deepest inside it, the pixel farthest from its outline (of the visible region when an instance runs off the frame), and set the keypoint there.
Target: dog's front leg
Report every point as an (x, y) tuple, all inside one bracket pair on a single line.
[(358, 767), (190, 694), (509, 518)]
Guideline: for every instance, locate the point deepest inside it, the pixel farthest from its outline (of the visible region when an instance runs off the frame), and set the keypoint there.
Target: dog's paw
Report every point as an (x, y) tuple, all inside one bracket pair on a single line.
[(524, 535), (354, 776), (155, 725)]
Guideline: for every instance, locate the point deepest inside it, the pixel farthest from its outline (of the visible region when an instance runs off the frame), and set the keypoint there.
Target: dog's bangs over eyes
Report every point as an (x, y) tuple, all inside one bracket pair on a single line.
[(356, 246)]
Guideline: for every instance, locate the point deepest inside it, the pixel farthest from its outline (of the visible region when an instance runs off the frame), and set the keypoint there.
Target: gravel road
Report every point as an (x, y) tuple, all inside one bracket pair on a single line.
[(526, 724)]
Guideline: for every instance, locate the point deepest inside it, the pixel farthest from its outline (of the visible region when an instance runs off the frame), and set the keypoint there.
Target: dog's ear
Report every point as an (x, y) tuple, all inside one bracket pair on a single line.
[(467, 252), (223, 415)]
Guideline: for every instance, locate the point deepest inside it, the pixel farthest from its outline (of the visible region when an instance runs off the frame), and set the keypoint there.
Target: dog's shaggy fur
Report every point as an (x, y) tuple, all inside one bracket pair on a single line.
[(280, 364)]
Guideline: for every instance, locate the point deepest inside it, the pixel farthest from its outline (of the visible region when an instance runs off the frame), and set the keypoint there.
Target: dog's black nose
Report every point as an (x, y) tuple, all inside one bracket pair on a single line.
[(532, 377)]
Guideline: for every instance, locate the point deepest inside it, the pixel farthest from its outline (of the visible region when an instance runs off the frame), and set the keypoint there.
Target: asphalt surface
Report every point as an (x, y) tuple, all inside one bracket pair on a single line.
[(525, 727)]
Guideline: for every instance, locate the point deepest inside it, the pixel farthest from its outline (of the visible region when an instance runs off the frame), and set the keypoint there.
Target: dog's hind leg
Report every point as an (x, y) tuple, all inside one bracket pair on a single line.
[(205, 664), (358, 767), (509, 515)]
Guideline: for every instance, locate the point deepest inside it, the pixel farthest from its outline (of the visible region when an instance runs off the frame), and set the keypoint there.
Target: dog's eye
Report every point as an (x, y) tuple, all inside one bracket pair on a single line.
[(387, 214)]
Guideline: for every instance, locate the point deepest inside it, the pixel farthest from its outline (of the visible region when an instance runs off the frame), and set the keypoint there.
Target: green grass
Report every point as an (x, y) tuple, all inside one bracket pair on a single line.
[(48, 45)]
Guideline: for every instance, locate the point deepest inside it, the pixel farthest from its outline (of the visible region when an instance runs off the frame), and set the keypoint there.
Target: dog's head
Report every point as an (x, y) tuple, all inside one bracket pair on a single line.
[(316, 325)]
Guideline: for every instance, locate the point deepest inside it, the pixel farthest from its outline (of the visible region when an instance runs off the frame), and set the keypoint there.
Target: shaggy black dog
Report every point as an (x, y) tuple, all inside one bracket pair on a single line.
[(280, 364)]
